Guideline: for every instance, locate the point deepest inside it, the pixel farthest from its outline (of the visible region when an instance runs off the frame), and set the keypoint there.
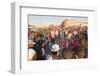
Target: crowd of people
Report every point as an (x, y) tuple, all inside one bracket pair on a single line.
[(56, 42)]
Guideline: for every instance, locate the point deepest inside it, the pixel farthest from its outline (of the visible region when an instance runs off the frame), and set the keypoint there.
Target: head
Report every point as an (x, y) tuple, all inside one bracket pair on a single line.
[(30, 44), (55, 49), (80, 52), (67, 53)]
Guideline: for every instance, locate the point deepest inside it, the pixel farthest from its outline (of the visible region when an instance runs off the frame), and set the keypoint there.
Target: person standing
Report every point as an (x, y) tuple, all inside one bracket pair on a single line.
[(32, 55), (54, 52)]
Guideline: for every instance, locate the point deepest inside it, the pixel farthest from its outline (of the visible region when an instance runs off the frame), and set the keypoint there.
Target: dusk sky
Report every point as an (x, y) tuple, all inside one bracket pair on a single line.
[(56, 20)]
